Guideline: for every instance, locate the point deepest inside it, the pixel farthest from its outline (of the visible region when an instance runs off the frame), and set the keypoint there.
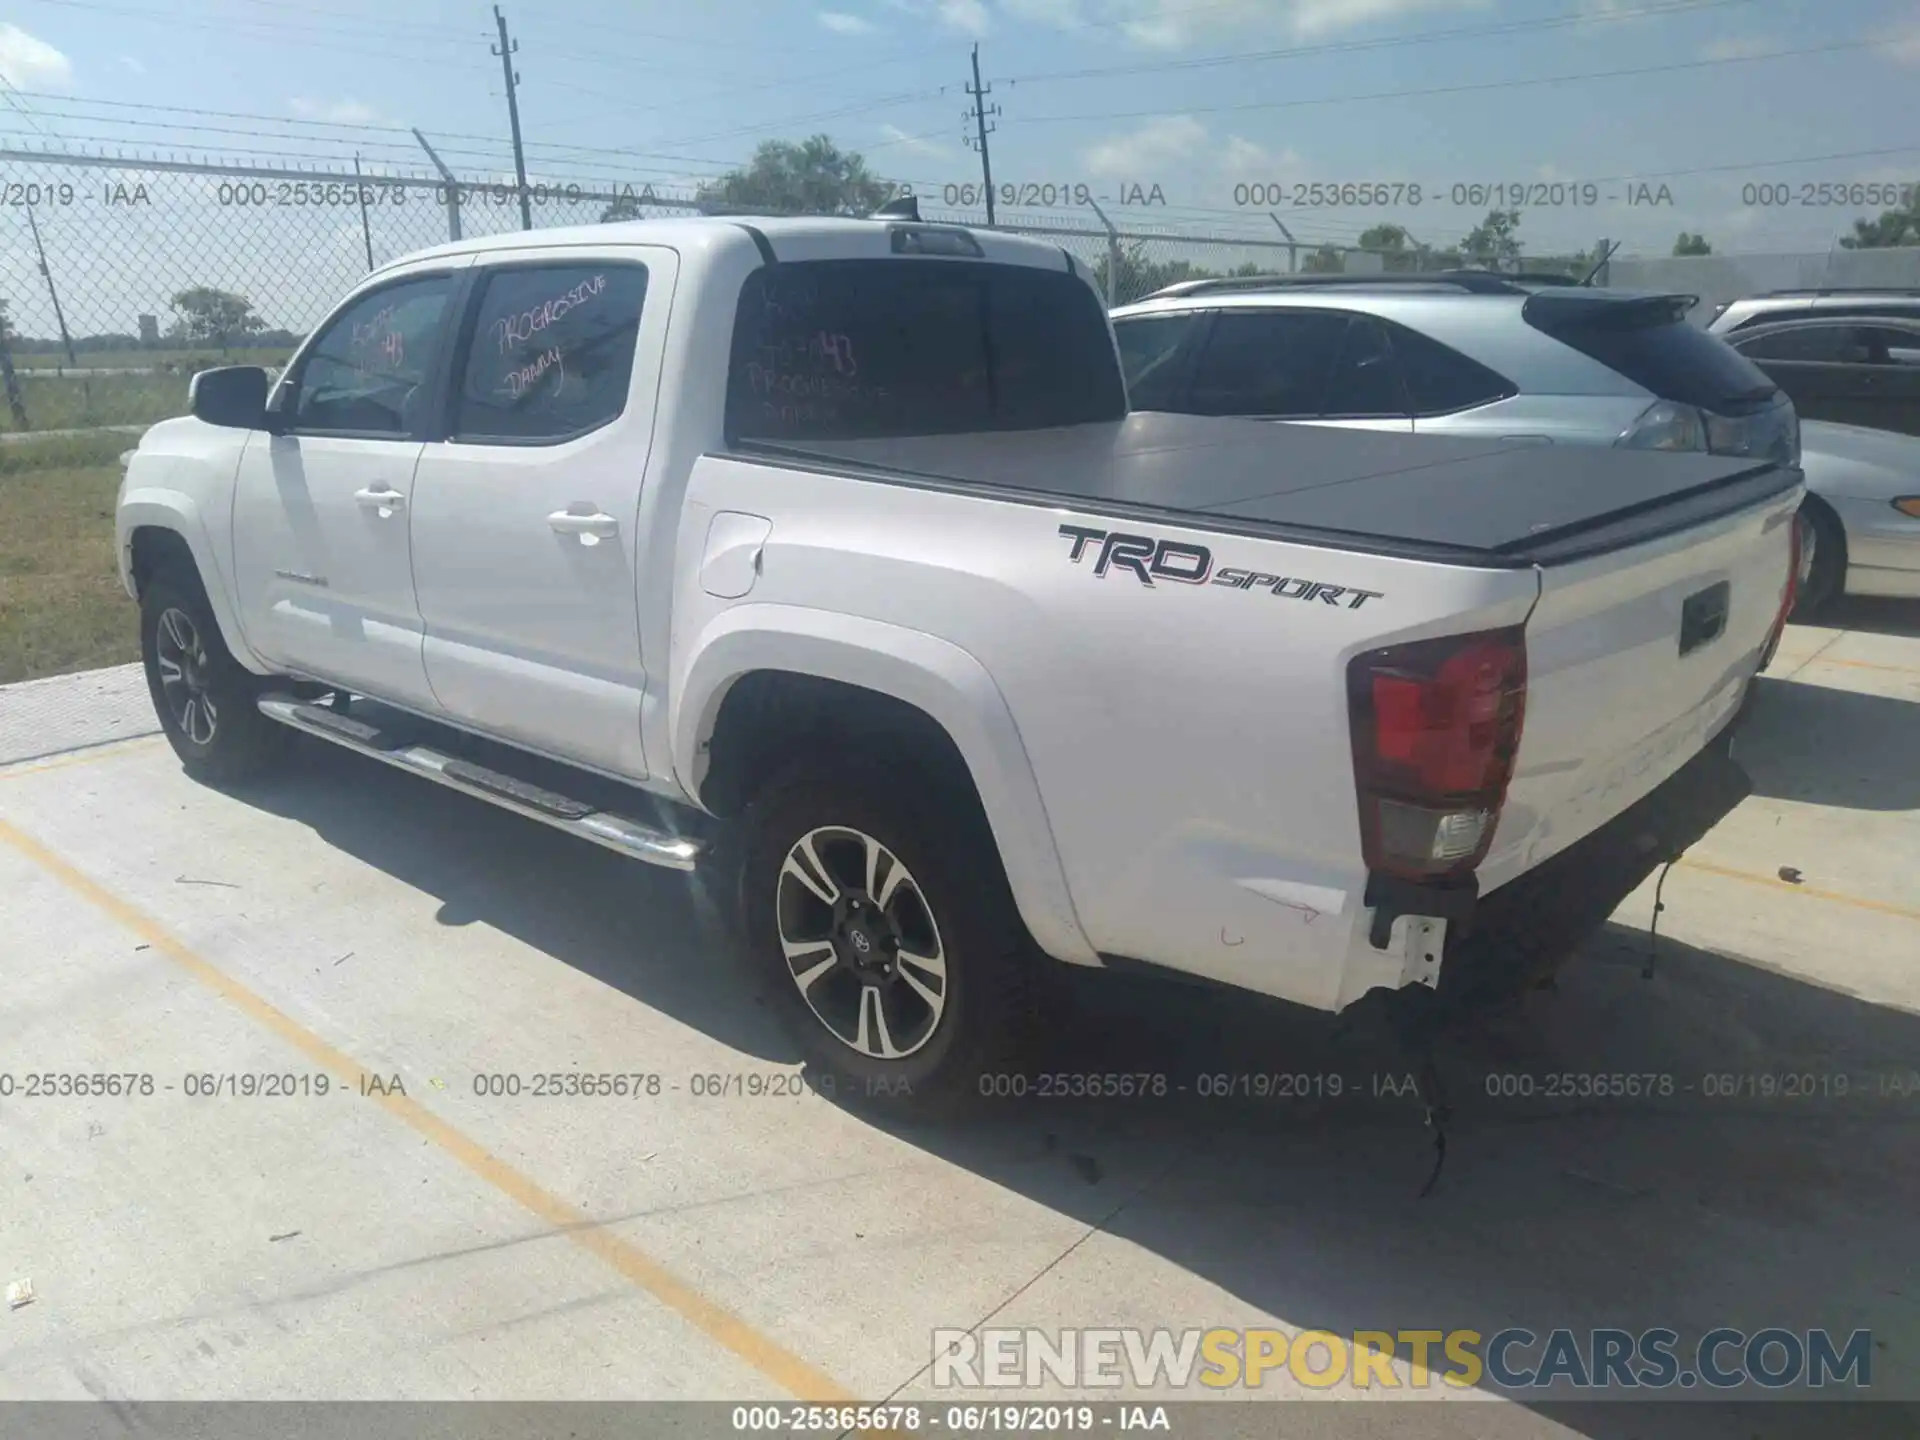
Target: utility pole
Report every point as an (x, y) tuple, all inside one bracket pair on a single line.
[(505, 50), (979, 115)]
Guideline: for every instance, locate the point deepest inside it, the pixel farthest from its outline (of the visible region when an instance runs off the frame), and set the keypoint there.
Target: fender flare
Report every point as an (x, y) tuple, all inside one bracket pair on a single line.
[(159, 508), (934, 676)]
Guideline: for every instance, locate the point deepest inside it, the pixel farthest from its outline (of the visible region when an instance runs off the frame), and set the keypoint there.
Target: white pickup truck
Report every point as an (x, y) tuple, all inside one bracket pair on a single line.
[(826, 554)]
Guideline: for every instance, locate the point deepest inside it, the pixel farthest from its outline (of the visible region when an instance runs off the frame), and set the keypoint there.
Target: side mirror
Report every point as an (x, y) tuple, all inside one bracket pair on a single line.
[(234, 396)]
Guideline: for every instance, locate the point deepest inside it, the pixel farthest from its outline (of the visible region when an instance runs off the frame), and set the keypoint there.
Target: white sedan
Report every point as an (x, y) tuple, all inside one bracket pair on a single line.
[(1863, 535)]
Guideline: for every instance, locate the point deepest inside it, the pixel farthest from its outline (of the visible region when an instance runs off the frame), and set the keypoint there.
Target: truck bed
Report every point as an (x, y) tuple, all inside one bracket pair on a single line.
[(1475, 502)]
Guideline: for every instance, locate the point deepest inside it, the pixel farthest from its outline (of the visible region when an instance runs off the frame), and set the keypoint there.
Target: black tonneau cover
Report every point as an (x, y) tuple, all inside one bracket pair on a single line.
[(1469, 501)]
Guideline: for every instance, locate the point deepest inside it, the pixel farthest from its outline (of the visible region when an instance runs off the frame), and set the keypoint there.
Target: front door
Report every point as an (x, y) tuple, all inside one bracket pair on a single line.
[(321, 511), (525, 549)]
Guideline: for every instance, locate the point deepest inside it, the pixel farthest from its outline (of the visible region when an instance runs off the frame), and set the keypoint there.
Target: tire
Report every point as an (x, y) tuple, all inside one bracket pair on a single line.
[(846, 1002), (1824, 577), (203, 696)]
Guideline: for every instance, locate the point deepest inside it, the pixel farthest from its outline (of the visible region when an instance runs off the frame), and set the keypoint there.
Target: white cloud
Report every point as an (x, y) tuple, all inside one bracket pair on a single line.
[(969, 17), (841, 23), (1144, 153), (1737, 47), (138, 67), (1902, 43), (1178, 24), (1241, 153), (1062, 13), (1327, 17), (337, 112), (29, 63), (918, 144)]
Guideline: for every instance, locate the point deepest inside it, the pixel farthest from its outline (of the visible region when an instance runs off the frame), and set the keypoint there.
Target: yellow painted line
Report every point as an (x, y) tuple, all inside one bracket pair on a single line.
[(778, 1364), (1866, 665), (90, 756), (1811, 892)]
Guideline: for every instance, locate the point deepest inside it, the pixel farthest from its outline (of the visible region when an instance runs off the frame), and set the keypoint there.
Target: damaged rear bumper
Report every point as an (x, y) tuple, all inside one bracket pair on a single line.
[(1519, 934)]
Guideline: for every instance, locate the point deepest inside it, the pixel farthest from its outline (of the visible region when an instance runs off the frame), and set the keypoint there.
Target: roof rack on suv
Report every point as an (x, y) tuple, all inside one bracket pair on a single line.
[(1846, 290), (1476, 282)]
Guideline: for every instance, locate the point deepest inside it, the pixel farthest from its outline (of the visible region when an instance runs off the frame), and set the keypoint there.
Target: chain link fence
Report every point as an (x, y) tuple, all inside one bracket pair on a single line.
[(121, 276)]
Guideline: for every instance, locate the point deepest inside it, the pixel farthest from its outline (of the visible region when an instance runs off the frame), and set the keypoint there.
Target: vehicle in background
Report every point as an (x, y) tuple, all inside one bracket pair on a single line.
[(1479, 354), (823, 558), (1818, 304), (1851, 371), (1867, 524)]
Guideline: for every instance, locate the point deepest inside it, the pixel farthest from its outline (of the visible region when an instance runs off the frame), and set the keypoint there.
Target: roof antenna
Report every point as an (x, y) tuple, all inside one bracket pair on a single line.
[(1601, 264), (901, 207)]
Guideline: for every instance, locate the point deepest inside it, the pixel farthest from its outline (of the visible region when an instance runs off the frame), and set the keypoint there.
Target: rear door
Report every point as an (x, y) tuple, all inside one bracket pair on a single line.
[(526, 514)]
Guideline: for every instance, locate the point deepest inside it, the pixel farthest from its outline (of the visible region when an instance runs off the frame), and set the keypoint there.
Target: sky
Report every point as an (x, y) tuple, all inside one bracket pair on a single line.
[(1205, 118)]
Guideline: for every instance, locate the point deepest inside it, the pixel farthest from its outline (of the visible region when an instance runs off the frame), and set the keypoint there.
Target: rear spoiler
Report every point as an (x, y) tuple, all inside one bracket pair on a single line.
[(1573, 308)]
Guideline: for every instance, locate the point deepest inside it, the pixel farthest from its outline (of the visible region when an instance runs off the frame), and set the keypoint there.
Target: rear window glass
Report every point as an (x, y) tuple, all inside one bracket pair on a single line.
[(1835, 344), (1440, 380), (1151, 349), (1655, 346), (858, 349)]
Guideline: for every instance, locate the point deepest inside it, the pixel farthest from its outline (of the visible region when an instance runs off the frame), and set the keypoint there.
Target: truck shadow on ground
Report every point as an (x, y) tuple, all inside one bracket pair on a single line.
[(1714, 1197), (1874, 614), (1828, 746), (1703, 1201)]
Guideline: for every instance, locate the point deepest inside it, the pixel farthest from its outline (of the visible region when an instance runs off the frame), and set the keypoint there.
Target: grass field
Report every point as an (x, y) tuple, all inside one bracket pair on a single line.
[(73, 402), (61, 605)]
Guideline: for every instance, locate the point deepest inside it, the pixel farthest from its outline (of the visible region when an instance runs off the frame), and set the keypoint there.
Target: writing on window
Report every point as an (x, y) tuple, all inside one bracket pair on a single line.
[(552, 351)]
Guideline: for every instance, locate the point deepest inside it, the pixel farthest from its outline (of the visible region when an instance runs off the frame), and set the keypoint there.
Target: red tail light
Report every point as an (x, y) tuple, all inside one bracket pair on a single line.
[(1436, 727)]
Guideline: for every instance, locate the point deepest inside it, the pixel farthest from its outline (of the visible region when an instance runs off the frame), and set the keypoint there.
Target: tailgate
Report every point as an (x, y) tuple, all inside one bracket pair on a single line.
[(1635, 659)]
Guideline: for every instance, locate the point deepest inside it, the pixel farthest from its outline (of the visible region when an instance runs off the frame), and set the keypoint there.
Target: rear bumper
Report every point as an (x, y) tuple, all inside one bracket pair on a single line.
[(1521, 932)]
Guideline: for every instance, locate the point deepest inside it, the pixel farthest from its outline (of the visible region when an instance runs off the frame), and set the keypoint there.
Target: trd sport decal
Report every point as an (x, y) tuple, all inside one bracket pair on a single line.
[(1148, 560)]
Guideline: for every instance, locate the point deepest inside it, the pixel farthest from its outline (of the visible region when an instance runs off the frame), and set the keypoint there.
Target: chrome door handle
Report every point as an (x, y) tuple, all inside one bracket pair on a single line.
[(384, 500), (596, 525)]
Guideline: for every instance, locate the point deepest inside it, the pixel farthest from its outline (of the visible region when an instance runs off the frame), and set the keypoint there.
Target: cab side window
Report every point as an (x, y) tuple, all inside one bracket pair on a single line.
[(366, 373), (551, 353)]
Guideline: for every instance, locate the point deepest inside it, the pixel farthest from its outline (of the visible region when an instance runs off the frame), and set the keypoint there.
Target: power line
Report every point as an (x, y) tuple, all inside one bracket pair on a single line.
[(356, 128), (1451, 89), (434, 39), (730, 43), (885, 102)]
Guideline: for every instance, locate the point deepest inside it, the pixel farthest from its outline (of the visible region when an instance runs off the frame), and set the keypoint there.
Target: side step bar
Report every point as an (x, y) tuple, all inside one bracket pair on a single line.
[(603, 827)]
